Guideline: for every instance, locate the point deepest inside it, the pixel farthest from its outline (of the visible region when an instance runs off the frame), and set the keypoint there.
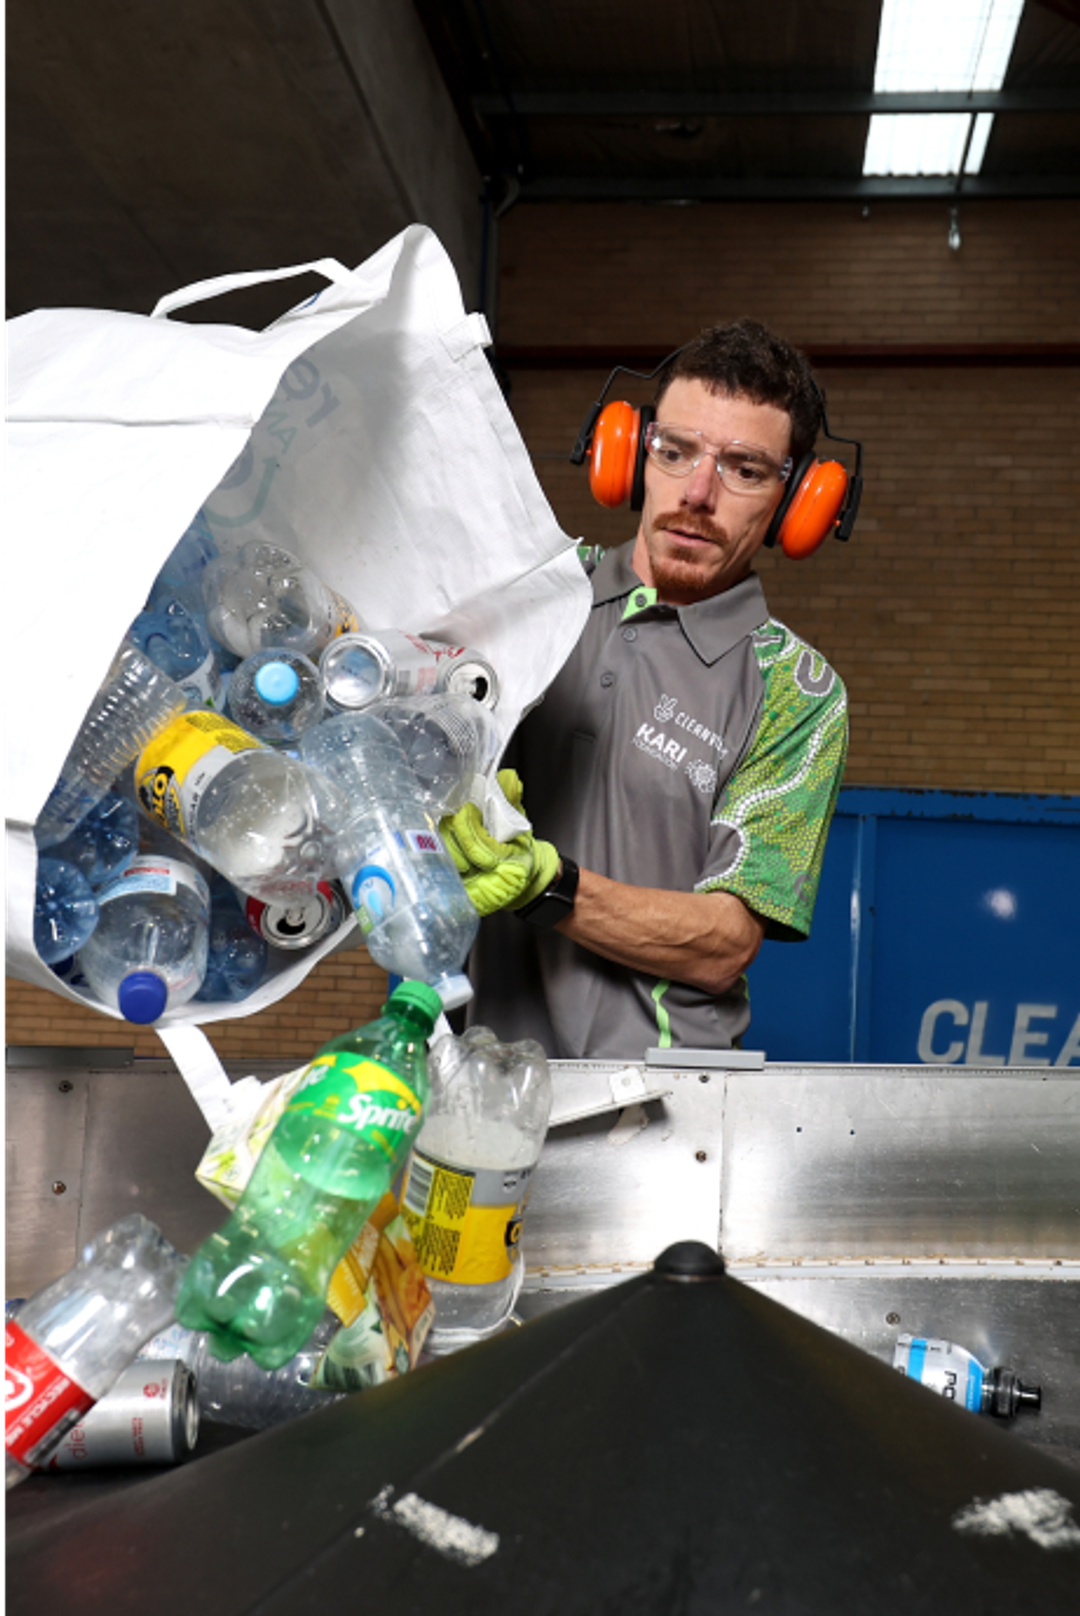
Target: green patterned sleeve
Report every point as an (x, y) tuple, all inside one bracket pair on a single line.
[(772, 818)]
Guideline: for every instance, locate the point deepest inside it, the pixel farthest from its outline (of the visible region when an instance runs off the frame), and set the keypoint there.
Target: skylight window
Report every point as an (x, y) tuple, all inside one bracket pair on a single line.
[(931, 45)]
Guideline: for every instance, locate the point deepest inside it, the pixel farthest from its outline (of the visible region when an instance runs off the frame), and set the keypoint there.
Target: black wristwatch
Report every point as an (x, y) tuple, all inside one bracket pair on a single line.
[(556, 902)]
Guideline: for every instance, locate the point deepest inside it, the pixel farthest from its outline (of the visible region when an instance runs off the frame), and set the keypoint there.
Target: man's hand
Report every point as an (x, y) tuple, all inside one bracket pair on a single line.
[(498, 875)]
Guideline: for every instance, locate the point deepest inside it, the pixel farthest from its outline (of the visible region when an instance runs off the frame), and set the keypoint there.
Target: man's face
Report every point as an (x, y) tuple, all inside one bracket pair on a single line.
[(697, 538)]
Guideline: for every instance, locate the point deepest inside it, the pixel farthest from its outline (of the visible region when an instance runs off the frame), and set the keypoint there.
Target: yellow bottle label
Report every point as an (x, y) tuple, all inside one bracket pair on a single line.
[(465, 1224), (175, 768)]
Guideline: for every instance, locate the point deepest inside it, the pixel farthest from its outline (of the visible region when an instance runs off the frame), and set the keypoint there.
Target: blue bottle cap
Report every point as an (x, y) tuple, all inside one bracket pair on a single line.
[(277, 683), (142, 997)]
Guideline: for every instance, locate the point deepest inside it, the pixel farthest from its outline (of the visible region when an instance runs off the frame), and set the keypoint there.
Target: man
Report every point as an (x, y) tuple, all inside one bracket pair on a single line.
[(683, 767)]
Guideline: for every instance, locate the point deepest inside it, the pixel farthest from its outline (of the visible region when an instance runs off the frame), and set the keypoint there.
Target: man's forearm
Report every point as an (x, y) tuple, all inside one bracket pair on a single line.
[(706, 939)]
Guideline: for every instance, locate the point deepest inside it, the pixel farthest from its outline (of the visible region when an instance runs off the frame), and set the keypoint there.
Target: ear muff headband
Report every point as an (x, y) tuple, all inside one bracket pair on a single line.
[(820, 498)]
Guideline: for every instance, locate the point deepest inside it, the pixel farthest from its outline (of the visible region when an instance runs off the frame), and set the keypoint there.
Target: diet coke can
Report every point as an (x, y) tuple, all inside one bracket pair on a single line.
[(150, 1415)]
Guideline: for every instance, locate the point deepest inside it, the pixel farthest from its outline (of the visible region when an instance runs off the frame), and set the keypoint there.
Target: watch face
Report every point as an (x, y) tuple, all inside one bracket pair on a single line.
[(547, 910)]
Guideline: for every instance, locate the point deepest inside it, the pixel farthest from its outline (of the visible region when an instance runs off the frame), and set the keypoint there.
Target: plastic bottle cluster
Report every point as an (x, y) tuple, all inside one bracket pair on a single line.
[(255, 764)]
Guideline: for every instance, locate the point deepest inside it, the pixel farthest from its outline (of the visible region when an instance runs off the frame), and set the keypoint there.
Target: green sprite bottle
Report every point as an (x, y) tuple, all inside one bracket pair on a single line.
[(259, 1284)]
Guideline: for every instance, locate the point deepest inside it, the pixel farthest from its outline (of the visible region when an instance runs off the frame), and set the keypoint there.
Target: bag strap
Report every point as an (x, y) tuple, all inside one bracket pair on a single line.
[(199, 291), (202, 1071)]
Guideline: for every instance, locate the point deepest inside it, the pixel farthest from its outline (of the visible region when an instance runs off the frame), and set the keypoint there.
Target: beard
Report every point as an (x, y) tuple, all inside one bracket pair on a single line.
[(679, 569)]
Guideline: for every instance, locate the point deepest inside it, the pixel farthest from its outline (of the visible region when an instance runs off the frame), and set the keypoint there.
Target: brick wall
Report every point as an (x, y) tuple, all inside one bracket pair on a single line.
[(952, 614), (343, 991)]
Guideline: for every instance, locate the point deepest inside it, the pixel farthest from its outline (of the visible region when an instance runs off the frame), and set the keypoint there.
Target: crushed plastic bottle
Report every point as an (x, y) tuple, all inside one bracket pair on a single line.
[(70, 1340), (448, 740), (957, 1374), (65, 910), (239, 1392), (263, 597), (236, 956), (277, 695), (148, 951), (259, 1285), (104, 839), (469, 1176), (135, 702), (411, 904), (261, 819), (176, 642)]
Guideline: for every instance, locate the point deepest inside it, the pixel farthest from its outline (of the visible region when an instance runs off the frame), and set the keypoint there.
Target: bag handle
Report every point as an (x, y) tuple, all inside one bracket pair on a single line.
[(198, 1063), (199, 291)]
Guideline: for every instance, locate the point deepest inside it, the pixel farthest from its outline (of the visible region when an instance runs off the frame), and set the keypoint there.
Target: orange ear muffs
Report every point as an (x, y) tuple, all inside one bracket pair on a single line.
[(618, 442), (811, 509)]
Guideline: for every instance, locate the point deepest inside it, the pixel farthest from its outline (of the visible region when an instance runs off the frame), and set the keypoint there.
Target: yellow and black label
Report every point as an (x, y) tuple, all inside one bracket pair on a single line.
[(465, 1224), (176, 767)]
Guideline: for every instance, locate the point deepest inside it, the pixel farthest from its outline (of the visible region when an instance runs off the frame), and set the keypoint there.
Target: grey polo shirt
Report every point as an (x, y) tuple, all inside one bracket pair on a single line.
[(693, 748)]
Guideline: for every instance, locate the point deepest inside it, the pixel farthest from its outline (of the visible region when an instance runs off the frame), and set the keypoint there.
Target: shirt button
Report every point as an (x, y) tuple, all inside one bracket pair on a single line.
[(629, 633), (641, 600), (607, 679)]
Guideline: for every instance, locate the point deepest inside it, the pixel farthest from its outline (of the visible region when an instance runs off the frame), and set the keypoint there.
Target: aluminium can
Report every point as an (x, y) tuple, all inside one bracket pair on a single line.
[(149, 1416), (359, 669), (299, 924)]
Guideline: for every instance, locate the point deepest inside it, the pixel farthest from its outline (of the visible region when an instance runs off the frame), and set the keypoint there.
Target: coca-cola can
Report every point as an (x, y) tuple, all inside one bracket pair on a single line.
[(150, 1415), (299, 924), (359, 669)]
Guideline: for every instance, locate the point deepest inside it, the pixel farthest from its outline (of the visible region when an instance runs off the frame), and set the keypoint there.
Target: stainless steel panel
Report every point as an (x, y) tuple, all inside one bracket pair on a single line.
[(615, 1190), (1029, 1325), (45, 1124), (145, 1137), (872, 1162)]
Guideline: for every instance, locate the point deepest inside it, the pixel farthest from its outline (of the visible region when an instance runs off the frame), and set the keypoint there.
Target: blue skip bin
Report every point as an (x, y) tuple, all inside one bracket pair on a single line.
[(944, 935)]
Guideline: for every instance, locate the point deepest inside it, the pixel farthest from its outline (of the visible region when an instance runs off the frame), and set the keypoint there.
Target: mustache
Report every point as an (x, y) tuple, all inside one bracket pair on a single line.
[(676, 522)]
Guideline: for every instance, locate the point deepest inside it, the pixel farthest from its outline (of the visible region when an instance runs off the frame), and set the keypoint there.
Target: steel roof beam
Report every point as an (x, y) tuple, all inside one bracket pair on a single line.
[(861, 103), (708, 188)]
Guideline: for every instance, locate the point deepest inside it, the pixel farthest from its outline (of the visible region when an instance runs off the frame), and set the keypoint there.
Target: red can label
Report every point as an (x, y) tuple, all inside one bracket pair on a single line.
[(41, 1401)]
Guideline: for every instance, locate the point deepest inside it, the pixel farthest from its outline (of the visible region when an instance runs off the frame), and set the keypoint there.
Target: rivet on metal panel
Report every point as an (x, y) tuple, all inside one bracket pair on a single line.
[(65, 1087), (701, 1155), (59, 1187), (892, 1318)]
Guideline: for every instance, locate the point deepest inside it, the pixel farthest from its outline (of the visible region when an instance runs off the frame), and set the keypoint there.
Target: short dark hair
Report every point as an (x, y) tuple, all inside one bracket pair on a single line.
[(746, 358)]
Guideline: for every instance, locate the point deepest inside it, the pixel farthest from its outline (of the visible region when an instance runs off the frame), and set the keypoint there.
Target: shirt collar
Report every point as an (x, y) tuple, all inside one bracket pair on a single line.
[(712, 626)]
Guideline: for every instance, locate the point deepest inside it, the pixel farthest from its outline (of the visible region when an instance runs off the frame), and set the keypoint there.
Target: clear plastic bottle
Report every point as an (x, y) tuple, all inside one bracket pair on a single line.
[(65, 910), (263, 820), (469, 1177), (376, 665), (259, 1285), (417, 918), (448, 741), (240, 1392), (263, 597), (177, 643), (104, 840), (135, 702), (277, 695), (236, 956), (70, 1341), (148, 951), (957, 1374)]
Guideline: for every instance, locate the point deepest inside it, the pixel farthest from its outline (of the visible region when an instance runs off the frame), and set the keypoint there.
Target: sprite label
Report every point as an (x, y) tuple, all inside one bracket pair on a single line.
[(375, 1109)]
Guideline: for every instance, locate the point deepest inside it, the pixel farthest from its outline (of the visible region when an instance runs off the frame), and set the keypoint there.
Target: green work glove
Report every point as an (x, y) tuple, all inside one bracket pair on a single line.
[(498, 875), (545, 858)]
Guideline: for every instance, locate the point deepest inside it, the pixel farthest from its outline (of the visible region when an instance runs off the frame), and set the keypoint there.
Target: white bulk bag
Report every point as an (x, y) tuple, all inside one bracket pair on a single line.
[(364, 430)]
